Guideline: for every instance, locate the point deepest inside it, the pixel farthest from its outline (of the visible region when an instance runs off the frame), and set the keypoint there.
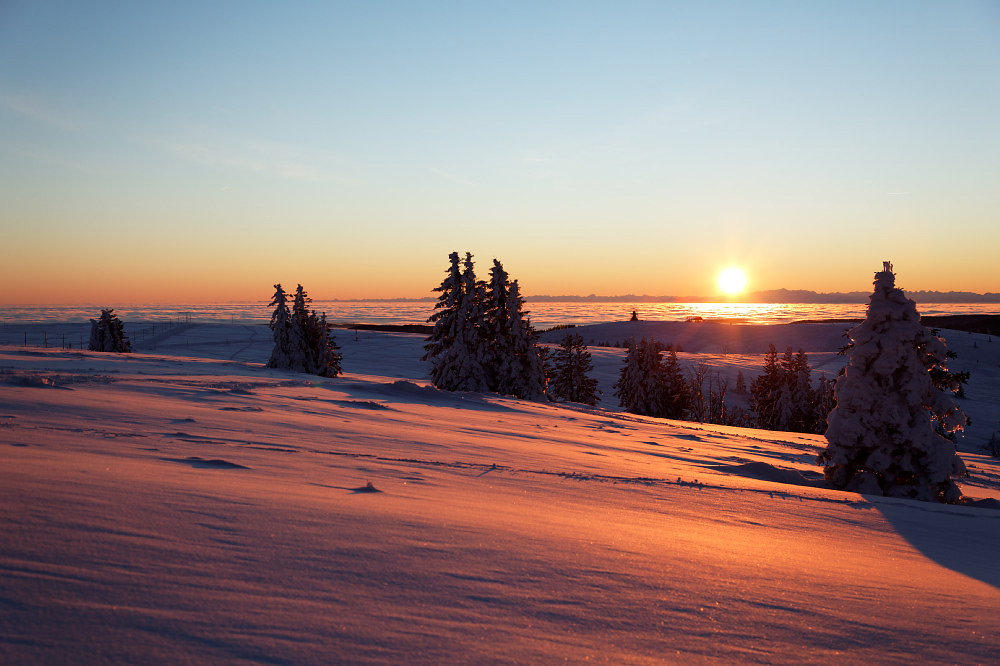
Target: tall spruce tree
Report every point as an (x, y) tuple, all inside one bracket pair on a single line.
[(675, 397), (497, 326), (471, 349), (281, 329), (629, 378), (439, 349), (521, 370), (456, 348), (640, 382), (107, 333), (571, 365), (796, 398), (298, 332), (764, 392), (824, 404), (322, 354), (881, 438)]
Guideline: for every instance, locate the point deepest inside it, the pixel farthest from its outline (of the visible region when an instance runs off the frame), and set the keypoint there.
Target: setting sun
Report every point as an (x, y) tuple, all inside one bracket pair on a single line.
[(732, 281)]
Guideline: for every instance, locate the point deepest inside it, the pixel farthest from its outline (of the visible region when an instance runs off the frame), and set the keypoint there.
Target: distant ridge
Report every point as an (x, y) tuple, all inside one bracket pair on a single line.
[(776, 296), (766, 296)]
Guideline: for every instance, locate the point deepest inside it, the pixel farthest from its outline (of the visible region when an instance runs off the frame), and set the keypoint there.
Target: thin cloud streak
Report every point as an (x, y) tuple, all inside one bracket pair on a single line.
[(254, 157), (64, 163), (34, 108)]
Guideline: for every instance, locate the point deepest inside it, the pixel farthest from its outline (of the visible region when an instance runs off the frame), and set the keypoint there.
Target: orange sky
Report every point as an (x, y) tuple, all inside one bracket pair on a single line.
[(592, 150)]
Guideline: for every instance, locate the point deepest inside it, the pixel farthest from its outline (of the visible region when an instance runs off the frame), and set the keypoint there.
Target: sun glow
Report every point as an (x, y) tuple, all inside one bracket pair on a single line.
[(732, 281)]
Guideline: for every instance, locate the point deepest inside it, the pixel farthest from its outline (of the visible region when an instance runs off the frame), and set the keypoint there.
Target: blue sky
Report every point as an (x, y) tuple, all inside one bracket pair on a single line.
[(208, 150)]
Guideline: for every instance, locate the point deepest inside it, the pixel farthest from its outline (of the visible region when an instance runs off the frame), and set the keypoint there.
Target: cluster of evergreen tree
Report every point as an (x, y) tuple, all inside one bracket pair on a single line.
[(651, 385), (782, 397), (568, 370), (107, 333), (302, 339), (482, 338)]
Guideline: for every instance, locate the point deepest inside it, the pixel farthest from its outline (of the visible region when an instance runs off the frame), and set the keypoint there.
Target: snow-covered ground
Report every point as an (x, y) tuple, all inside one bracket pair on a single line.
[(185, 504)]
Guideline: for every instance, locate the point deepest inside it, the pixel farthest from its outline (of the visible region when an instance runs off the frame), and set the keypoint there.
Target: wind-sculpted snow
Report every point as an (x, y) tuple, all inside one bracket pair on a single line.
[(211, 511), (202, 463), (767, 472)]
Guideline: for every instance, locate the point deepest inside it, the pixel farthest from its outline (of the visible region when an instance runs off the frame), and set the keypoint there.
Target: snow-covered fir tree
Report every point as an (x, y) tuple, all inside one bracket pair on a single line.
[(471, 351), (496, 324), (107, 333), (298, 345), (642, 382), (322, 354), (281, 330), (764, 391), (456, 347), (521, 368), (782, 397), (627, 387), (881, 436), (796, 397), (569, 378), (303, 341), (439, 348), (482, 339), (824, 404), (675, 395)]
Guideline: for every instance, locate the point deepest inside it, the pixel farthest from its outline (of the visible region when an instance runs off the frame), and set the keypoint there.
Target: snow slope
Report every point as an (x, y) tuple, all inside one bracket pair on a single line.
[(191, 505)]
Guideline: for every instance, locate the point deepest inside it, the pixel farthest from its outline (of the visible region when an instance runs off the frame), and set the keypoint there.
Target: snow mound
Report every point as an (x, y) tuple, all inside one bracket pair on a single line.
[(202, 463), (408, 392), (763, 471)]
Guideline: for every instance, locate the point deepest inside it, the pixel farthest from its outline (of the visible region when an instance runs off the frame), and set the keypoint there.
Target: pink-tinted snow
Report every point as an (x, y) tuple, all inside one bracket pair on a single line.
[(178, 506)]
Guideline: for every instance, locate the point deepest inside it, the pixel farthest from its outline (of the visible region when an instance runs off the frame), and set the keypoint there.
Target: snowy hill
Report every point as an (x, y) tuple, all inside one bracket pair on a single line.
[(184, 503)]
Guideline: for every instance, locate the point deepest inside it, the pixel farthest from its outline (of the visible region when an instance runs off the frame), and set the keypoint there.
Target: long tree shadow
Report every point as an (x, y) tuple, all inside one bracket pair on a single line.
[(963, 539)]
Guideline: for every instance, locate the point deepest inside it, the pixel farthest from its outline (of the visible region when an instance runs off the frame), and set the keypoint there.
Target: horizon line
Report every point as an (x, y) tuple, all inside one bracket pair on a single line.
[(766, 296)]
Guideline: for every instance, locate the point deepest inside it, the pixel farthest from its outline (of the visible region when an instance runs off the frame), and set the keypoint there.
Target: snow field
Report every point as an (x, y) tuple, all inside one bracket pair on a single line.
[(190, 505)]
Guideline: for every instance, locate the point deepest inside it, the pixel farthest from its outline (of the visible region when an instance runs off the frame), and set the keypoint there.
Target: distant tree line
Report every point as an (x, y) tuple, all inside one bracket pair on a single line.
[(483, 341), (302, 339), (781, 398)]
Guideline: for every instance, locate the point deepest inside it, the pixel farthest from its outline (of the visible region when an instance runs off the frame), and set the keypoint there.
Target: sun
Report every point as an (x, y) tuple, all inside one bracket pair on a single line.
[(732, 281)]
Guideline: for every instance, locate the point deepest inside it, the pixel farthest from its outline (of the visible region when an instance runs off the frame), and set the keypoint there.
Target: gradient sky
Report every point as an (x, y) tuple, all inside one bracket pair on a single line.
[(202, 151)]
